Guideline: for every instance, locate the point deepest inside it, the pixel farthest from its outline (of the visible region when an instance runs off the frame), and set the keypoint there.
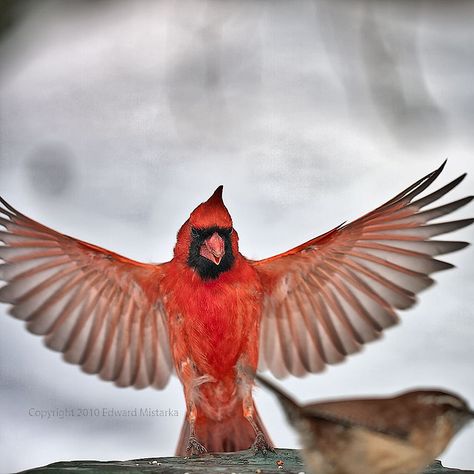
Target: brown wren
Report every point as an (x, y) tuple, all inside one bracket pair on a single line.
[(396, 435)]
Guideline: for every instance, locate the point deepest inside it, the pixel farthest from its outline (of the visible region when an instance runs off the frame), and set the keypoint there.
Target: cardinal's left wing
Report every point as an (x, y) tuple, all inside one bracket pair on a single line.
[(103, 311), (328, 296)]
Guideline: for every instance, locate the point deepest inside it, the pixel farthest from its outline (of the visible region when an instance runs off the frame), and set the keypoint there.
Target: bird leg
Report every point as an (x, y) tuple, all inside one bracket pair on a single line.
[(194, 446), (191, 381), (260, 444), (245, 382)]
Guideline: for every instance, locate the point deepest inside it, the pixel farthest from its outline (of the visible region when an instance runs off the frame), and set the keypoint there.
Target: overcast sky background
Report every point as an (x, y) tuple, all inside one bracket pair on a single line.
[(118, 118)]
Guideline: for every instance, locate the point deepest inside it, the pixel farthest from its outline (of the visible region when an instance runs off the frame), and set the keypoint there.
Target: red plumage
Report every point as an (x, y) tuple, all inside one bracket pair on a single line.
[(216, 317), (215, 325)]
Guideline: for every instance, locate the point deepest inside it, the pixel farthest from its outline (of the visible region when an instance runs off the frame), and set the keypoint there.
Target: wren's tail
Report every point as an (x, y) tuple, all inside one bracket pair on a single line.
[(234, 433), (291, 407)]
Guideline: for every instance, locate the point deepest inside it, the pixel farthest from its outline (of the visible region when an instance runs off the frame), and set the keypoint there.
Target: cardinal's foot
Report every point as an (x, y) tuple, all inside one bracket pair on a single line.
[(261, 445), (195, 447)]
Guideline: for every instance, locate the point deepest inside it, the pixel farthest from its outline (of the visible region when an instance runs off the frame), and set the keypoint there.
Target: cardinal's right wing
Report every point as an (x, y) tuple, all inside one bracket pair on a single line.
[(327, 297), (101, 310)]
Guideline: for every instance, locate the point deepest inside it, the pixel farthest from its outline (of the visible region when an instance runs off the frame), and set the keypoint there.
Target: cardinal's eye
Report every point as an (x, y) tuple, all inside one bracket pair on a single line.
[(194, 232)]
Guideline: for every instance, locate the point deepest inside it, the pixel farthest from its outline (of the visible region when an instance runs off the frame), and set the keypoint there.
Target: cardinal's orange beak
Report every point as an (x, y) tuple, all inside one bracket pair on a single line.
[(213, 248)]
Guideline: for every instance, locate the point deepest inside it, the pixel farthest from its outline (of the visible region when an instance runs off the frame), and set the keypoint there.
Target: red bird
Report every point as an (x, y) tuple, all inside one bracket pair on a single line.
[(212, 315)]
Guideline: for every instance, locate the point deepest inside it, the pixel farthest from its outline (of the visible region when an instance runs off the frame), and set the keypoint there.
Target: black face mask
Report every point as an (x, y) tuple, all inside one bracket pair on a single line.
[(206, 269)]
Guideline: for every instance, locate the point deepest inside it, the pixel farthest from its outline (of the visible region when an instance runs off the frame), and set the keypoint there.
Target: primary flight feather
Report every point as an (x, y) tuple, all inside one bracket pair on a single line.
[(210, 314)]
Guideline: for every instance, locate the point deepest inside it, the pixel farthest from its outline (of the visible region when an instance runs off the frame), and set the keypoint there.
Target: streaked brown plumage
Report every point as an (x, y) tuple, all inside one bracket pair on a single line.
[(134, 323), (397, 435)]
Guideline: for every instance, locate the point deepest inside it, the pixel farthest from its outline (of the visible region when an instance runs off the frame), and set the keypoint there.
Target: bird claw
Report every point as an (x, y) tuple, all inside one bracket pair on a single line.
[(194, 447), (261, 445)]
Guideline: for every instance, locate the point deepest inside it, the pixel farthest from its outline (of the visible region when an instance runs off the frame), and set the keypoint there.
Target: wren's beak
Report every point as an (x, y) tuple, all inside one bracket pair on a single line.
[(213, 248)]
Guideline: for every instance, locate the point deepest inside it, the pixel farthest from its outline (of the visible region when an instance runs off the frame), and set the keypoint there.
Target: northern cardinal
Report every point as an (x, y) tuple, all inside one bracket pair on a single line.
[(211, 314), (390, 435)]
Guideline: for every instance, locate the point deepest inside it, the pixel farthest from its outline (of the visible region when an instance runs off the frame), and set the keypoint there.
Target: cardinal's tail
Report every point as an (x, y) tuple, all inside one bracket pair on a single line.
[(234, 433)]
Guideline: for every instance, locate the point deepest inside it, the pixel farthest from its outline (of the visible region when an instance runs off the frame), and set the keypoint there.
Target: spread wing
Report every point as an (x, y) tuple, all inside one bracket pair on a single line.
[(101, 310), (327, 297)]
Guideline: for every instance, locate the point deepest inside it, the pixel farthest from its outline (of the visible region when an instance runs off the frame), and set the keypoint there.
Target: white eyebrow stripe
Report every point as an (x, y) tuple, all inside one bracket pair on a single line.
[(441, 400)]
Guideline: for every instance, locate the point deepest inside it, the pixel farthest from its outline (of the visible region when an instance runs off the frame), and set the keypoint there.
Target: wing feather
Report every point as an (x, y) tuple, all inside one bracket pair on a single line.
[(91, 304), (327, 297)]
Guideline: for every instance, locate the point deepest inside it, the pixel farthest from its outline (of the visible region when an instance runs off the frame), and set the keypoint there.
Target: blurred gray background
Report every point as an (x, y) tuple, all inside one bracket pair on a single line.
[(118, 118)]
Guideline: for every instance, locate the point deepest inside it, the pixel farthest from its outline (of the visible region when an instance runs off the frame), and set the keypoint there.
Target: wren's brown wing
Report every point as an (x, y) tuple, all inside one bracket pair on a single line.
[(88, 303), (328, 296), (378, 415), (396, 416)]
